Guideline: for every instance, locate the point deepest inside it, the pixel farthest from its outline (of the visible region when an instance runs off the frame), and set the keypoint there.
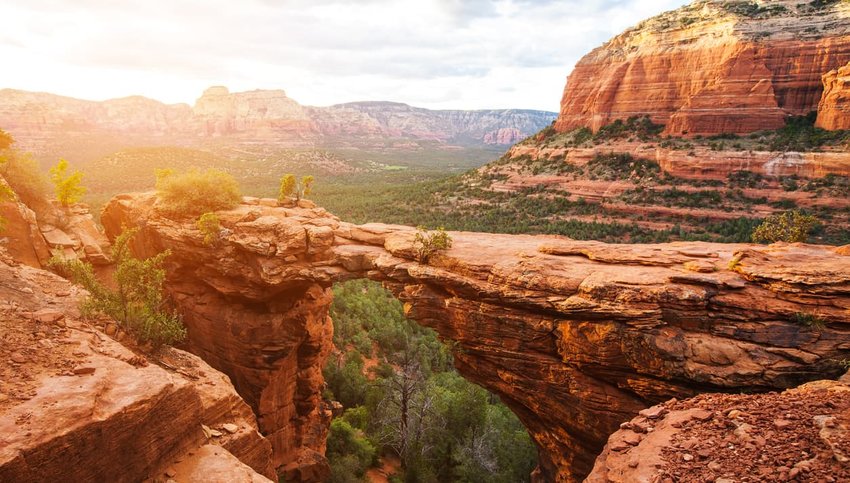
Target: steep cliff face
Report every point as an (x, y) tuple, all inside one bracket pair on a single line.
[(258, 113), (834, 108), (712, 67), (576, 337), (77, 405)]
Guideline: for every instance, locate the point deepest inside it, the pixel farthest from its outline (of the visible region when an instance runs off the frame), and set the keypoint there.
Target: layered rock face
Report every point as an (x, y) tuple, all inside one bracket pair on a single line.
[(77, 405), (46, 124), (834, 108), (576, 337), (259, 112), (712, 67)]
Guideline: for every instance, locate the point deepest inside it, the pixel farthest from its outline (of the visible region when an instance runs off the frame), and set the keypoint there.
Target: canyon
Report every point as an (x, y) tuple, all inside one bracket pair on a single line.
[(694, 124), (714, 67), (625, 362), (576, 337)]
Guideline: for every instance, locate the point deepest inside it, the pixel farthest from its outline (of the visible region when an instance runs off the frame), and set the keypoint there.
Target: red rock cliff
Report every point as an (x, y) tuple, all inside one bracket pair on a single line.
[(834, 108), (76, 405), (576, 337), (712, 67)]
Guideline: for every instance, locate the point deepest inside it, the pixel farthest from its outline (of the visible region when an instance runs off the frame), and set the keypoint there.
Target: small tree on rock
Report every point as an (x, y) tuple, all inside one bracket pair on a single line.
[(427, 243), (290, 187), (209, 226), (136, 301), (791, 227), (69, 189)]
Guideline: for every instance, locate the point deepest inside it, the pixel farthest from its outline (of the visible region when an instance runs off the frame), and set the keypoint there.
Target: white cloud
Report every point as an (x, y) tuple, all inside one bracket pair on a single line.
[(463, 54)]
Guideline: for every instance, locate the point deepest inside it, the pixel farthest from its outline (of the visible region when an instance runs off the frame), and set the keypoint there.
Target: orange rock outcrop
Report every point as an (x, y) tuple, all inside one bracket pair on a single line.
[(834, 108), (575, 337), (77, 405), (711, 67)]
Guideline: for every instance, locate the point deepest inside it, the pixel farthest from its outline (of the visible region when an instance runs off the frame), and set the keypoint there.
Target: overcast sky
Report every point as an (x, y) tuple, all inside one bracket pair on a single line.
[(441, 54)]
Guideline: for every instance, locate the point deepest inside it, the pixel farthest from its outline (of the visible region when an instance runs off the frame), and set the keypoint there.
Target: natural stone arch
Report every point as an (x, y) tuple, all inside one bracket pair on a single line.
[(575, 337)]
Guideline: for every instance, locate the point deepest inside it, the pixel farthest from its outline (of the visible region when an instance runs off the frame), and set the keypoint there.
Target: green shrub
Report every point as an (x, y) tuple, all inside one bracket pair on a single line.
[(811, 321), (614, 166), (69, 189), (210, 226), (745, 179), (195, 192), (753, 9), (349, 452), (640, 126), (290, 188), (791, 226), (427, 243), (800, 134), (136, 301)]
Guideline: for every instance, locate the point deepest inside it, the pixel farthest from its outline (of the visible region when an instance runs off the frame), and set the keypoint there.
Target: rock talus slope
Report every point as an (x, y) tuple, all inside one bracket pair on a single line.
[(712, 67), (726, 437), (576, 337)]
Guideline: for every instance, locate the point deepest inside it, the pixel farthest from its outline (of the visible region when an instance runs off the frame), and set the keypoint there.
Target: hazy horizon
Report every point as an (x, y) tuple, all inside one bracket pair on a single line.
[(438, 54)]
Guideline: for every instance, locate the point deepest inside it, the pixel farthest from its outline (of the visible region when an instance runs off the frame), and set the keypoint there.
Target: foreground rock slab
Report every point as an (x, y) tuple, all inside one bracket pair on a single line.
[(575, 337), (75, 405)]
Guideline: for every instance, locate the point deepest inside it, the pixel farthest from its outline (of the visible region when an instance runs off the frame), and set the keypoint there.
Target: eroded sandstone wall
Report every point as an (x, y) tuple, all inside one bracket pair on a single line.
[(706, 69), (834, 108)]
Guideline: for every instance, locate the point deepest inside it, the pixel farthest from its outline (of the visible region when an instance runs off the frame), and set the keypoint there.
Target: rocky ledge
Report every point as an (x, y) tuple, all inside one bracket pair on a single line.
[(576, 337), (76, 405)]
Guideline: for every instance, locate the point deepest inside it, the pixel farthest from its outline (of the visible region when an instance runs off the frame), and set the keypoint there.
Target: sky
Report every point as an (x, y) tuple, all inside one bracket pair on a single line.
[(438, 54)]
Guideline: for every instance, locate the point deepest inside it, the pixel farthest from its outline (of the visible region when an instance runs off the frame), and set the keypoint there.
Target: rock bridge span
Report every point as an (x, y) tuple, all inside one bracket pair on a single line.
[(575, 337)]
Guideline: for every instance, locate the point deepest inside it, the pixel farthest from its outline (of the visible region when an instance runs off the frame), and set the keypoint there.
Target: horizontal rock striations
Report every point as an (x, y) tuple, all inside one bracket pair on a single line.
[(712, 67), (576, 337)]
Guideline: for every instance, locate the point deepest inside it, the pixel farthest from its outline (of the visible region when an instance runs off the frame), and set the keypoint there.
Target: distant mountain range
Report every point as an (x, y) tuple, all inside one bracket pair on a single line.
[(41, 121)]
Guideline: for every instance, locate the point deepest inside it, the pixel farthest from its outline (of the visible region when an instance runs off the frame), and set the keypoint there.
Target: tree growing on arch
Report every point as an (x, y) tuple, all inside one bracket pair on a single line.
[(69, 189)]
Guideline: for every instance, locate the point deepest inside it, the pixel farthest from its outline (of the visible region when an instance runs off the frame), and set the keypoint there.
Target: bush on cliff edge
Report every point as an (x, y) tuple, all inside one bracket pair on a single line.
[(195, 192), (136, 302)]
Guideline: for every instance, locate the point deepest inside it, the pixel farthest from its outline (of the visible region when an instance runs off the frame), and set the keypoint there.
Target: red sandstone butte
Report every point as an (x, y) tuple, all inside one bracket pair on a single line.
[(705, 69)]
